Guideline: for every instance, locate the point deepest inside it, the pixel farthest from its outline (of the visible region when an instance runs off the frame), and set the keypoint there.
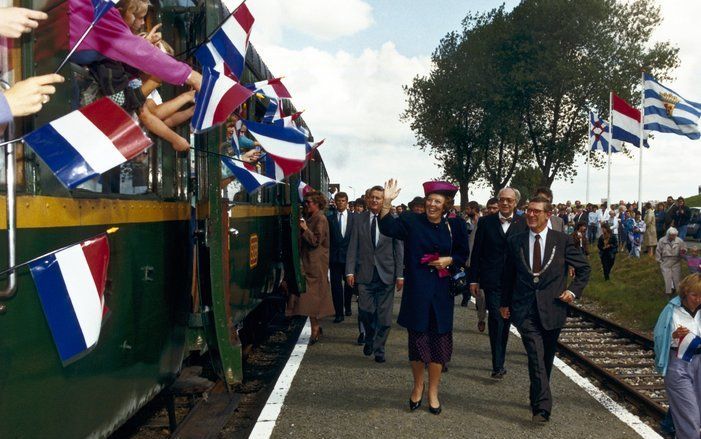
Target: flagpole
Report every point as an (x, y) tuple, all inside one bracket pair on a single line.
[(75, 47), (610, 142), (642, 120), (589, 124)]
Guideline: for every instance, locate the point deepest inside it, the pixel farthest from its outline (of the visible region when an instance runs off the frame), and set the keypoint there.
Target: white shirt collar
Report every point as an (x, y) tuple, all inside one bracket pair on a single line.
[(542, 234)]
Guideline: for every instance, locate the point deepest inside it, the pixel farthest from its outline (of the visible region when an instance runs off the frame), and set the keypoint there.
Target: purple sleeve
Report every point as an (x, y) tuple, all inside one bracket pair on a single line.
[(5, 113), (112, 38)]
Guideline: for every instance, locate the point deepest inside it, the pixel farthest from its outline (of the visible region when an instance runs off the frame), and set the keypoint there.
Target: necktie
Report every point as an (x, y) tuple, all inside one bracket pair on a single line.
[(536, 255), (340, 222), (373, 230), (505, 220)]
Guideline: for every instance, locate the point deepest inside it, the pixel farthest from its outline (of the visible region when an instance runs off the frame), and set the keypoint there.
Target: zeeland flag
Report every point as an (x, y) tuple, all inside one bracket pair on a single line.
[(71, 286)]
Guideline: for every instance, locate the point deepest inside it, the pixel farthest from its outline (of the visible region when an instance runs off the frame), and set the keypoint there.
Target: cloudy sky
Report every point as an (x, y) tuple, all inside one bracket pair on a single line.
[(345, 62)]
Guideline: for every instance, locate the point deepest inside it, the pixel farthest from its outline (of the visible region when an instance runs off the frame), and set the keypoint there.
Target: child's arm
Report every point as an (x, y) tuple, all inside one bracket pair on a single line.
[(179, 118), (169, 108), (159, 128)]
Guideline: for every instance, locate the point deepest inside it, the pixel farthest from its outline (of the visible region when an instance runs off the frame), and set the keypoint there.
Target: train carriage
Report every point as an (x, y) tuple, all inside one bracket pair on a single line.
[(190, 271)]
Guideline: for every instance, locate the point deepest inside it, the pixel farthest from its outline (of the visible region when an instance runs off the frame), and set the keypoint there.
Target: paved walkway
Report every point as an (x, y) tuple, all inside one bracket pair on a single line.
[(339, 393)]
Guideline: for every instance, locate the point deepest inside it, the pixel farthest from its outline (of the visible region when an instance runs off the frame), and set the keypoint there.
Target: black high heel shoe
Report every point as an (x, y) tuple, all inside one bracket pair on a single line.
[(436, 410), (414, 405)]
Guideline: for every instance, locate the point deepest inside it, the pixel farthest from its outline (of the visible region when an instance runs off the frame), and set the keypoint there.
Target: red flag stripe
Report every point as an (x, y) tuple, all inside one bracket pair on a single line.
[(118, 126), (97, 253), (231, 100), (288, 166), (244, 17), (625, 108)]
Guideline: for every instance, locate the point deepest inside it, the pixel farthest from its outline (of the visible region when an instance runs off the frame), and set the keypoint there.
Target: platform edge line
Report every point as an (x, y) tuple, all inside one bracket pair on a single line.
[(263, 428)]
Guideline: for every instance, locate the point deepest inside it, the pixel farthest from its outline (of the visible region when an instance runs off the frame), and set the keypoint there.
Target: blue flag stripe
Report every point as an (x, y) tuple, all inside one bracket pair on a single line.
[(276, 131), (692, 108), (663, 112), (60, 156), (58, 308), (665, 129), (244, 176), (231, 56), (209, 79)]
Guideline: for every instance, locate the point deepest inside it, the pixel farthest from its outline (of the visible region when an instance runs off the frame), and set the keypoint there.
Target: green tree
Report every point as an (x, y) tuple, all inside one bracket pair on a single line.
[(562, 66)]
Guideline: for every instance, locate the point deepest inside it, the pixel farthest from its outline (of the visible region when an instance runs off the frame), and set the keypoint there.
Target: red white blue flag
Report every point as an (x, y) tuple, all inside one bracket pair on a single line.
[(286, 146), (101, 8), (218, 97), (272, 88), (688, 346), (303, 189), (312, 147), (229, 43), (245, 173), (71, 285), (88, 142), (625, 121)]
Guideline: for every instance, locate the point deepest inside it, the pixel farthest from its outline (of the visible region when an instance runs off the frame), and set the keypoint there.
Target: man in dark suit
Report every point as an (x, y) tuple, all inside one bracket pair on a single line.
[(535, 295), (375, 263), (486, 265), (340, 226)]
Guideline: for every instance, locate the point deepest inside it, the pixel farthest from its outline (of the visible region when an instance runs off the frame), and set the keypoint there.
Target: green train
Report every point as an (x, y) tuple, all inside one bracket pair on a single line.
[(190, 271)]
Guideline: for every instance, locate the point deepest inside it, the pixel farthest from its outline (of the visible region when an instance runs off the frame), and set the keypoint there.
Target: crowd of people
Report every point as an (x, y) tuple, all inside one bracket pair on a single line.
[(524, 262)]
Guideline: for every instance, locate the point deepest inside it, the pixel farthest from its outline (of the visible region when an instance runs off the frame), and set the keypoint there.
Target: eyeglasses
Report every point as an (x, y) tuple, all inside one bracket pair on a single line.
[(530, 211)]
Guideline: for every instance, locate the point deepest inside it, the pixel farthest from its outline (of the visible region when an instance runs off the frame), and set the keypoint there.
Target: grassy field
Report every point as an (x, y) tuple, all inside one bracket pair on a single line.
[(635, 294), (693, 201)]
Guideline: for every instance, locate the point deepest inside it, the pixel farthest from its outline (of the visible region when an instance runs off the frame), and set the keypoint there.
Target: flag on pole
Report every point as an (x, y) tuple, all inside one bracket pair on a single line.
[(287, 146), (101, 8), (599, 135), (88, 142), (229, 43), (218, 97), (71, 284), (272, 169), (667, 112), (246, 174), (312, 147), (303, 189), (625, 121), (272, 113), (272, 88)]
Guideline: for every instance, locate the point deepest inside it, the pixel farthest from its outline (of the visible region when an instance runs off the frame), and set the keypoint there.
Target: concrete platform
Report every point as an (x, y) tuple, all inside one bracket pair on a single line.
[(339, 393)]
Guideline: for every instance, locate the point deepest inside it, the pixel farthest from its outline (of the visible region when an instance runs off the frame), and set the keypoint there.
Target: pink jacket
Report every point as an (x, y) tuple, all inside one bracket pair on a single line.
[(112, 38)]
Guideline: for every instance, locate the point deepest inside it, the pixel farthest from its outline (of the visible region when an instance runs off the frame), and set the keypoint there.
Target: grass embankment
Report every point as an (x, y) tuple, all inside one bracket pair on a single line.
[(635, 294), (693, 201)]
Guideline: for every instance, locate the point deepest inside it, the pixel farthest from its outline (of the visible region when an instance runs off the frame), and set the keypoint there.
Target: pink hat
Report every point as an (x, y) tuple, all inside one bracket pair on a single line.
[(440, 187)]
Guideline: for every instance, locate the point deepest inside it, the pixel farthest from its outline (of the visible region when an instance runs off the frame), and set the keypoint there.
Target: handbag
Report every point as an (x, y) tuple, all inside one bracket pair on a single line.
[(457, 284)]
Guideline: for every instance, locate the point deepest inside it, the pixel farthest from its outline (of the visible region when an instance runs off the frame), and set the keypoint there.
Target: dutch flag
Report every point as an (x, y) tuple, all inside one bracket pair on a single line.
[(71, 285), (272, 88), (688, 346), (229, 43), (88, 142), (303, 189), (625, 121), (218, 97), (286, 146), (245, 173)]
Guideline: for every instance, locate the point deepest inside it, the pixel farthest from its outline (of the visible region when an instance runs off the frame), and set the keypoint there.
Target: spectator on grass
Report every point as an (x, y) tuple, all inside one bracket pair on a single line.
[(660, 215), (580, 238), (693, 261), (608, 247), (670, 252), (650, 237)]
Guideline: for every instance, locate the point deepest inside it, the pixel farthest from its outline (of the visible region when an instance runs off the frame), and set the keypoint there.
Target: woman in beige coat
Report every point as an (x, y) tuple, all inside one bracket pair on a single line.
[(670, 254), (650, 237), (316, 301)]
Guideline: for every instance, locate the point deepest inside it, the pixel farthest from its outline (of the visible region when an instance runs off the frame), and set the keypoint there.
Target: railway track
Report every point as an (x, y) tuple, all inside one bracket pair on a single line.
[(622, 359)]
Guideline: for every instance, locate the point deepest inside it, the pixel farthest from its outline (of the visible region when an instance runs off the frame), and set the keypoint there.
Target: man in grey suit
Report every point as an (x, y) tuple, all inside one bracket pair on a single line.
[(554, 222), (375, 263)]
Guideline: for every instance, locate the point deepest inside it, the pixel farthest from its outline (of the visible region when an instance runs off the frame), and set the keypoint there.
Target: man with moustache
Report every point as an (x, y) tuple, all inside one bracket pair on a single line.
[(486, 265), (535, 295), (340, 226), (375, 263)]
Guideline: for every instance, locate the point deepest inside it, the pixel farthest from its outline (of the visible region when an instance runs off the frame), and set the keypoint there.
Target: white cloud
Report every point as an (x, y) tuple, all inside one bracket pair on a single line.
[(322, 19)]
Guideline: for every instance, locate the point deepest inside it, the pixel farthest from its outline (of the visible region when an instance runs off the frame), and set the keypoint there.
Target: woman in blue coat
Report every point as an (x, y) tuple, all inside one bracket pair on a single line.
[(433, 247)]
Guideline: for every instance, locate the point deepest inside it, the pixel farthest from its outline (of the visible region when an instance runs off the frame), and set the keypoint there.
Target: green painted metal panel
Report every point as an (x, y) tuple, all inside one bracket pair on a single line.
[(141, 343)]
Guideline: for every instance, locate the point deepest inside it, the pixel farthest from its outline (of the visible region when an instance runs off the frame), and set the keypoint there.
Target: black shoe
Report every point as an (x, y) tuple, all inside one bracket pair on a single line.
[(367, 350), (499, 374), (435, 410), (414, 405), (541, 417), (338, 319), (361, 339), (349, 313), (380, 359)]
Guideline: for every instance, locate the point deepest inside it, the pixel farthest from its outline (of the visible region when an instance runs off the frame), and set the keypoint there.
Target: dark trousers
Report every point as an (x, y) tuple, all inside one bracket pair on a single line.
[(592, 230), (541, 346), (375, 303), (498, 330), (607, 261), (340, 291)]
